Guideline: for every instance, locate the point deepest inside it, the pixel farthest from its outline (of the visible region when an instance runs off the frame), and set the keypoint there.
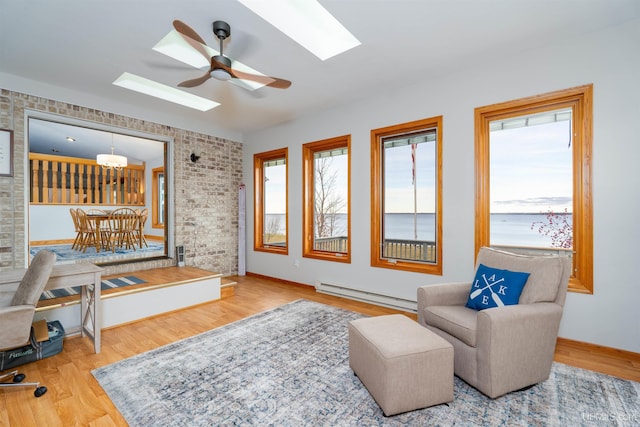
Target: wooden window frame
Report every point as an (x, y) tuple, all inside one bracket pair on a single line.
[(308, 198), (259, 159), (155, 197), (377, 196), (580, 100)]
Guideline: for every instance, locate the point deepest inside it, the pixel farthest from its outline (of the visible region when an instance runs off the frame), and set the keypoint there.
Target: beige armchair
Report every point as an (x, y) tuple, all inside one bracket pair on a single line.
[(501, 349), (17, 307)]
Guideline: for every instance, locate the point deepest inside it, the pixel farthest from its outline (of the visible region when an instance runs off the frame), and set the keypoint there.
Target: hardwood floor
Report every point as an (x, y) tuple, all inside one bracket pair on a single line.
[(75, 397)]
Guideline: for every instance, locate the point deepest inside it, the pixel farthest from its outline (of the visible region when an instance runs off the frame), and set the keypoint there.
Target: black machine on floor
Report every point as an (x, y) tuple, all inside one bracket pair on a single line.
[(31, 352)]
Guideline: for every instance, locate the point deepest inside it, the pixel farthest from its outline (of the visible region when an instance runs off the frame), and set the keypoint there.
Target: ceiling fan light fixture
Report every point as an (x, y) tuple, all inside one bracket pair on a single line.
[(220, 74)]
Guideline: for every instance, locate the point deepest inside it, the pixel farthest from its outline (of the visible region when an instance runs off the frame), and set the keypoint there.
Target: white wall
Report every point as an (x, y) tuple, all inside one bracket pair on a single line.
[(53, 222), (608, 59)]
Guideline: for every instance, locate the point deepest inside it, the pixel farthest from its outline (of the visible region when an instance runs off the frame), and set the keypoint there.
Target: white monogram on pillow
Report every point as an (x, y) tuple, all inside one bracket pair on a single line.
[(489, 283)]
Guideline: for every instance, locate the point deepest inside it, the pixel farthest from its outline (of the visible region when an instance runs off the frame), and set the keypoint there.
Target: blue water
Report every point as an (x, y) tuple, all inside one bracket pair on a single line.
[(506, 229)]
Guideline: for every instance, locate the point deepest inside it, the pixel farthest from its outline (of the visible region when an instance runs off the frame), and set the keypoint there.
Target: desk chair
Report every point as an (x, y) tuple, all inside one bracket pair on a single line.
[(17, 308)]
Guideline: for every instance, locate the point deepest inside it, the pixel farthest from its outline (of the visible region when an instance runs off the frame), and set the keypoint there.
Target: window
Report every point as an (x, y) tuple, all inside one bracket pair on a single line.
[(157, 198), (406, 199), (270, 203), (326, 201), (533, 178)]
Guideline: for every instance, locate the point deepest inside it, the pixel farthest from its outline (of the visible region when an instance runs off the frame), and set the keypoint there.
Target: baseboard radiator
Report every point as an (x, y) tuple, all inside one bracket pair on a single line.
[(369, 297)]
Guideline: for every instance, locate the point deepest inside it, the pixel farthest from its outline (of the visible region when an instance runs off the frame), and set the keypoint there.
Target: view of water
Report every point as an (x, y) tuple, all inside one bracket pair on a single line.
[(506, 229)]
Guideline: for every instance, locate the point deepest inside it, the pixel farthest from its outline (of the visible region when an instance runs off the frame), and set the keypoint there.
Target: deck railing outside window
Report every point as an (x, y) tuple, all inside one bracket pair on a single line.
[(74, 181), (414, 250), (338, 244)]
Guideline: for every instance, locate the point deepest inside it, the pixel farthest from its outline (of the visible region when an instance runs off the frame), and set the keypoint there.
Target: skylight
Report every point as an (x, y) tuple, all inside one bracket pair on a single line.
[(308, 23), (168, 93)]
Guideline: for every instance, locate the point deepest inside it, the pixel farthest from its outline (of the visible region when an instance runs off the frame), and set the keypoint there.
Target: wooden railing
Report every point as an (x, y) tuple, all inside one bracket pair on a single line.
[(74, 181), (413, 250), (331, 244)]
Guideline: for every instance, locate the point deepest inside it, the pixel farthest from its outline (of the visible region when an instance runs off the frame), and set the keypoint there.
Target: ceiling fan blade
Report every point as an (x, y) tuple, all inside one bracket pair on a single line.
[(186, 30), (191, 37), (195, 82), (266, 80)]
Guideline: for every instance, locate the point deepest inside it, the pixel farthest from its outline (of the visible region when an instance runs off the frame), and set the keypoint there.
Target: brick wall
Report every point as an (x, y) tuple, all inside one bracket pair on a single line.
[(205, 196)]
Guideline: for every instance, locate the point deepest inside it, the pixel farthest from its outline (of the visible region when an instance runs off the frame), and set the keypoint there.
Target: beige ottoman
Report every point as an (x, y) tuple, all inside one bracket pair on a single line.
[(402, 364)]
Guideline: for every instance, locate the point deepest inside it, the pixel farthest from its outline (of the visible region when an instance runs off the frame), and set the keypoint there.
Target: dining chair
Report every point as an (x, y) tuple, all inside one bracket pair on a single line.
[(97, 219), (121, 232), (76, 225), (142, 220), (86, 229)]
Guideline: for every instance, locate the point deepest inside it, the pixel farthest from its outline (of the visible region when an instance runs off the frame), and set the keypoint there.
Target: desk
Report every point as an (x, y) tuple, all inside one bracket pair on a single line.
[(66, 276)]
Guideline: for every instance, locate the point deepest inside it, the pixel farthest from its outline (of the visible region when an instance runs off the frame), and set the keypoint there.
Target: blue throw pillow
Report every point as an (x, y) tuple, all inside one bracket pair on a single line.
[(493, 287)]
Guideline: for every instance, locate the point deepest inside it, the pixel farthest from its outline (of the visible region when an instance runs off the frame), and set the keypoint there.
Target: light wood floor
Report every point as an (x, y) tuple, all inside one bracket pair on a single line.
[(75, 398)]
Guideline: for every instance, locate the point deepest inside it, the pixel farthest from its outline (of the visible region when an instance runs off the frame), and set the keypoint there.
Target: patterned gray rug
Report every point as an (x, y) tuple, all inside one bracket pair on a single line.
[(289, 367)]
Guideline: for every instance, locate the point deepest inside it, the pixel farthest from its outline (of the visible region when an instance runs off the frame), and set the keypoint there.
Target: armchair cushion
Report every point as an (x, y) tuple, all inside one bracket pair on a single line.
[(546, 272), (456, 320), (493, 287)]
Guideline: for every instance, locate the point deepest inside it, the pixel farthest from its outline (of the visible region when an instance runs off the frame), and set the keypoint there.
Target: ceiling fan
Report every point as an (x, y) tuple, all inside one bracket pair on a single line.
[(220, 67)]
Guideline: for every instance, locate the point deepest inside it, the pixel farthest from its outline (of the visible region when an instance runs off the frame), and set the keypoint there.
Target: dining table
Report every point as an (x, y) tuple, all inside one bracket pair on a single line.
[(98, 218)]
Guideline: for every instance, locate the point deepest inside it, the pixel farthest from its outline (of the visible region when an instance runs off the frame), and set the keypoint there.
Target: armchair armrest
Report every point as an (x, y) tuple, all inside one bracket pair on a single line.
[(516, 342), (442, 294)]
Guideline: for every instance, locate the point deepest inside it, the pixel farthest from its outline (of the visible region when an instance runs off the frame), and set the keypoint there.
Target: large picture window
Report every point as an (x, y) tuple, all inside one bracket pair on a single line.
[(270, 202), (533, 181), (326, 201), (406, 207)]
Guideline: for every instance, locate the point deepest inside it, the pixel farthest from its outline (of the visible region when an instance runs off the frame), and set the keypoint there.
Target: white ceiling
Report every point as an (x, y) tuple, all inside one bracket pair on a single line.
[(50, 137), (83, 46)]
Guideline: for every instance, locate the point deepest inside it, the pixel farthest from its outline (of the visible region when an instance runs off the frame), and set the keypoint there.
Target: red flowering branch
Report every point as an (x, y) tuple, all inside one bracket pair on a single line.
[(557, 227)]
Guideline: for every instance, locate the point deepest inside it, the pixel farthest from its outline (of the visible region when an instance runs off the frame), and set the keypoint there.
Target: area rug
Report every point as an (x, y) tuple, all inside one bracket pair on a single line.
[(289, 367), (105, 284), (65, 253)]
